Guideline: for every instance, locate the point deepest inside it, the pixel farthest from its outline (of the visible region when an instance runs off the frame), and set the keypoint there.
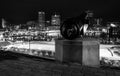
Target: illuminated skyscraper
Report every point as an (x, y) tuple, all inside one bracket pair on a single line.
[(90, 14), (41, 19), (98, 21), (55, 20), (90, 17), (3, 23)]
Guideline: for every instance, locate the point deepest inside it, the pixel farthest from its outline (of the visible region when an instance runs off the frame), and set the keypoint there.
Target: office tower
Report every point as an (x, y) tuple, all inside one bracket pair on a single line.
[(55, 20), (90, 17), (41, 19), (47, 23), (98, 22), (3, 23), (89, 14)]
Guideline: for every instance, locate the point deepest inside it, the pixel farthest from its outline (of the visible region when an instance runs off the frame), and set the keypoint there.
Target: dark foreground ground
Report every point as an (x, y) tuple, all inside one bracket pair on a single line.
[(18, 65)]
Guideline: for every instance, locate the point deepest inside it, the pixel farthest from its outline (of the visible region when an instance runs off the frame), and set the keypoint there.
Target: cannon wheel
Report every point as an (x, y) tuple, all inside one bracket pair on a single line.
[(69, 31)]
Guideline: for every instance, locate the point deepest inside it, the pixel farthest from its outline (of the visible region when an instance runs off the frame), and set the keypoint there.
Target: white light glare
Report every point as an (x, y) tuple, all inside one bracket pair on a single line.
[(112, 25)]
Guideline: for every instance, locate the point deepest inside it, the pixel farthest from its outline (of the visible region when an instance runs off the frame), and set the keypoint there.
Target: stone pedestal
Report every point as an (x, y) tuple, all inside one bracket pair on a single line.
[(85, 52)]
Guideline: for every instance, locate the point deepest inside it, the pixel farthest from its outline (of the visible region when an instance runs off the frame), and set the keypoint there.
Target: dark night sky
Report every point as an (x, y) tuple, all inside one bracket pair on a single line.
[(20, 11)]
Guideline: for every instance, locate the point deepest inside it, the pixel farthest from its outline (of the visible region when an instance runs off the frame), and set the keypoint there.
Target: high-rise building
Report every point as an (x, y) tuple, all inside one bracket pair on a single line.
[(90, 17), (90, 14), (98, 22), (3, 23), (41, 19), (55, 20)]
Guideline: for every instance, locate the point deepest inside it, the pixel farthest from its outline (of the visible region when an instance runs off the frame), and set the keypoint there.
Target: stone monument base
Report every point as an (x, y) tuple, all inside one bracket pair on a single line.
[(85, 52)]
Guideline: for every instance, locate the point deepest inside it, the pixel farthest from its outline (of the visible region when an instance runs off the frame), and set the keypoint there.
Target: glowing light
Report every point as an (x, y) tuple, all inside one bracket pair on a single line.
[(112, 25), (104, 30), (85, 28)]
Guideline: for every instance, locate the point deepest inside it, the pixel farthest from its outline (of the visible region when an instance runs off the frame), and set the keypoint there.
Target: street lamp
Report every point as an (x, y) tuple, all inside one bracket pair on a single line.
[(29, 37)]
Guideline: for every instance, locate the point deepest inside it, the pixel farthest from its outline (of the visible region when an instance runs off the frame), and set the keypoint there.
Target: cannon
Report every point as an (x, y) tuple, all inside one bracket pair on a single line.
[(73, 27)]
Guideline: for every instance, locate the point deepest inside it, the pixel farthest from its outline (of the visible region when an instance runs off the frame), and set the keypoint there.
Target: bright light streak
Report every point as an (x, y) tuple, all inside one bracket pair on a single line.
[(112, 25)]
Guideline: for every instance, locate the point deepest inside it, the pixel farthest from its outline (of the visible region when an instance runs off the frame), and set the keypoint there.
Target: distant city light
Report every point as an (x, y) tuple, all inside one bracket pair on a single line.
[(104, 30), (112, 25)]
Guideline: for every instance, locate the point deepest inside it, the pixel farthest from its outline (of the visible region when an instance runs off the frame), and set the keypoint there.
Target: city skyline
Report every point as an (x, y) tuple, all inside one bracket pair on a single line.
[(20, 11)]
